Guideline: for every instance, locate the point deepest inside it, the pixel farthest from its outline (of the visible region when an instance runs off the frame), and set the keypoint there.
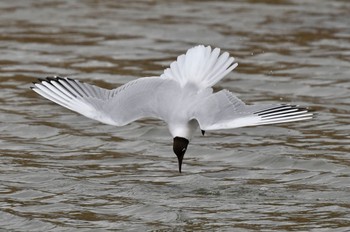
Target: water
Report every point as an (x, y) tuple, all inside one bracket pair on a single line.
[(62, 172)]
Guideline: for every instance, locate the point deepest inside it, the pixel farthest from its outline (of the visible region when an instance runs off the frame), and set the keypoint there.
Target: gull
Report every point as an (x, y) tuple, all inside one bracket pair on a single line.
[(182, 96)]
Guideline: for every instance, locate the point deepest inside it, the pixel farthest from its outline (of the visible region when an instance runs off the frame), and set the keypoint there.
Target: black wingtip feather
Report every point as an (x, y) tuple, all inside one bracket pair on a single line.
[(283, 111), (58, 80), (273, 110), (51, 79), (270, 109)]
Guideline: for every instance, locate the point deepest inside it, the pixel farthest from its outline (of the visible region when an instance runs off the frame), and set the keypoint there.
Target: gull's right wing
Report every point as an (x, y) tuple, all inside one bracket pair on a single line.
[(223, 110), (144, 97)]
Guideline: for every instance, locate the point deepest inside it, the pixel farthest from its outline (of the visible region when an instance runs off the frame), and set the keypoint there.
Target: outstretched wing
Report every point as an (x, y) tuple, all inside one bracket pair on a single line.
[(223, 110), (137, 99)]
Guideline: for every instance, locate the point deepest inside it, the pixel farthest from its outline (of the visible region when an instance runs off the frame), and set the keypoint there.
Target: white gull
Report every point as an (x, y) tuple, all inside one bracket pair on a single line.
[(182, 97)]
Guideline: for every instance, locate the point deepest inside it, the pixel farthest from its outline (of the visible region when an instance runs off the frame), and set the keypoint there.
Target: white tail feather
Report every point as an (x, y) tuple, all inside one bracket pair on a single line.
[(201, 66)]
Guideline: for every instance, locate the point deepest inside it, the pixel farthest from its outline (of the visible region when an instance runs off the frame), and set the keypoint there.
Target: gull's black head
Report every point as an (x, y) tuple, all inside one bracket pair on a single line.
[(180, 147)]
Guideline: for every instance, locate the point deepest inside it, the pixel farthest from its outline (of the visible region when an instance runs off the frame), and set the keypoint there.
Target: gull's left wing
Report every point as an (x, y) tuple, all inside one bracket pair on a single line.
[(141, 98), (223, 110)]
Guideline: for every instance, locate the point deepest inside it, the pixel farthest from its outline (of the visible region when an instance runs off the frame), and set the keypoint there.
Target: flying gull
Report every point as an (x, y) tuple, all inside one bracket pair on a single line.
[(182, 96)]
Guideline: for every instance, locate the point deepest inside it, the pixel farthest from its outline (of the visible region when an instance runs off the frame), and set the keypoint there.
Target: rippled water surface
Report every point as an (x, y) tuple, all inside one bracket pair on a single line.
[(60, 171)]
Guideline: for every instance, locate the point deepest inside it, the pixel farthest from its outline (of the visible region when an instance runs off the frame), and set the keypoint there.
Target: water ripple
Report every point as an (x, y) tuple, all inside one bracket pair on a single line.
[(62, 172)]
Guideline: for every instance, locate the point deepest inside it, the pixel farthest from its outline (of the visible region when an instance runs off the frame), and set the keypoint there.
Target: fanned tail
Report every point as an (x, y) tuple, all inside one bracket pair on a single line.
[(201, 66)]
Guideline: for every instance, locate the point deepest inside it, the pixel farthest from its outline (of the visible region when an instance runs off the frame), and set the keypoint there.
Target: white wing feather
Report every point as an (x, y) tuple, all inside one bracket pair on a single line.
[(223, 110), (144, 97)]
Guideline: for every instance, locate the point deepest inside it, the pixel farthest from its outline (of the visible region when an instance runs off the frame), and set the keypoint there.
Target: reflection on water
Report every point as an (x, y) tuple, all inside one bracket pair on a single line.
[(63, 172)]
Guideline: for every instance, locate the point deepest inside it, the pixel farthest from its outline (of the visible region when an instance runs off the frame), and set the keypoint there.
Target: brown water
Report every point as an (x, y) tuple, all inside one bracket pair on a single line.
[(62, 172)]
